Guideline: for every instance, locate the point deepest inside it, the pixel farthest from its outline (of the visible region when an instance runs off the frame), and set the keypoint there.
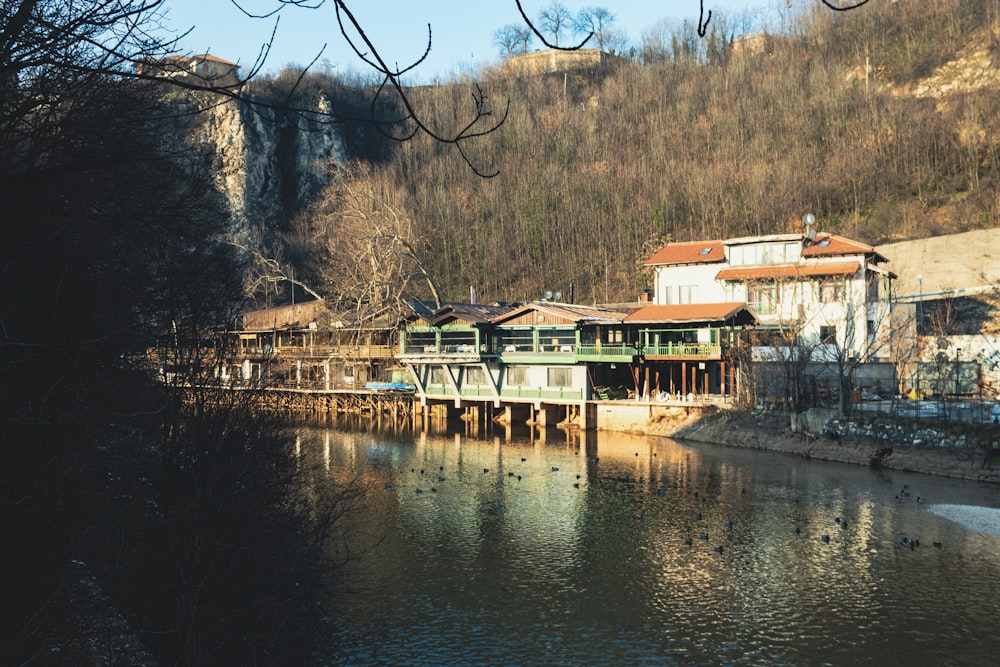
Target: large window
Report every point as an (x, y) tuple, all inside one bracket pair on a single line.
[(517, 376), (560, 377), (763, 298), (439, 375), (828, 335), (687, 294), (516, 340), (830, 290), (556, 340), (764, 253), (474, 375), (420, 341)]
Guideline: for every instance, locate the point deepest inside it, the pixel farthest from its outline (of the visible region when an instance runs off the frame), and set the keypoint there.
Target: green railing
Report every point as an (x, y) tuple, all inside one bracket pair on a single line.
[(543, 394), (475, 392)]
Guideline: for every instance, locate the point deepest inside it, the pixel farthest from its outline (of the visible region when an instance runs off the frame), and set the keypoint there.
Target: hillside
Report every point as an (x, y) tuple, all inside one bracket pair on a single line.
[(883, 122), (596, 168), (964, 261)]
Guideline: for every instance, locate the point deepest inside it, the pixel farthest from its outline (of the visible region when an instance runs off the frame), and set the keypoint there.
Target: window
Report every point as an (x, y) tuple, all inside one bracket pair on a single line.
[(791, 252), (668, 294), (475, 376), (439, 375), (828, 335), (517, 375), (763, 298), (829, 291), (560, 377), (735, 292), (556, 340), (687, 294), (516, 340)]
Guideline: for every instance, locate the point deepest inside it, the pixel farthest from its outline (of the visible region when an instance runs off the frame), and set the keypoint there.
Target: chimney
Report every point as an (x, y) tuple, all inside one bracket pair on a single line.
[(644, 296)]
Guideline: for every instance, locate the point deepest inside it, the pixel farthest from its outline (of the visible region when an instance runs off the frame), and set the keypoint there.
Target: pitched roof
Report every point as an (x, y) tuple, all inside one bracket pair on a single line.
[(692, 312), (693, 252), (474, 313), (830, 245), (788, 271), (289, 316), (575, 313)]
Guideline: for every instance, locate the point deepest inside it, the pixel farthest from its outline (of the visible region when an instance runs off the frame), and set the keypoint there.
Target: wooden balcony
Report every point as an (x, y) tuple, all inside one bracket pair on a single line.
[(666, 351)]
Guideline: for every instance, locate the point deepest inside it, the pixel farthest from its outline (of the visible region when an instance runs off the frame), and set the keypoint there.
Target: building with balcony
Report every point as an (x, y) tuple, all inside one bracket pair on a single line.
[(309, 346), (828, 292), (545, 353)]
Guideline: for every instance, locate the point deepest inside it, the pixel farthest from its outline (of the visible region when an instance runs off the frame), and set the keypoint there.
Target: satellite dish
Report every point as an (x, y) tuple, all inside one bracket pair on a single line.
[(547, 295), (809, 220), (557, 295)]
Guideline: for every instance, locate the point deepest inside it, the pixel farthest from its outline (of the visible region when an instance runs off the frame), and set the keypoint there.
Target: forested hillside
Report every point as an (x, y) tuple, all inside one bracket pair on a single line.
[(690, 141)]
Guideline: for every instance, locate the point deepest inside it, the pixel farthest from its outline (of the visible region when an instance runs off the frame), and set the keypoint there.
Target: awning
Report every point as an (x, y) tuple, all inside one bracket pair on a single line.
[(789, 272)]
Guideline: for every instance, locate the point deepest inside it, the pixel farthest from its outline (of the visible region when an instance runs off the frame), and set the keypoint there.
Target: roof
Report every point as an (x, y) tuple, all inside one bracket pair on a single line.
[(830, 245), (201, 57), (286, 317), (473, 313), (693, 312), (694, 252), (567, 311), (788, 271)]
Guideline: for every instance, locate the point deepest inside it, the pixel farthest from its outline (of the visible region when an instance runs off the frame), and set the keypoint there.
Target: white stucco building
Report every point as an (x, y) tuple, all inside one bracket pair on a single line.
[(832, 291)]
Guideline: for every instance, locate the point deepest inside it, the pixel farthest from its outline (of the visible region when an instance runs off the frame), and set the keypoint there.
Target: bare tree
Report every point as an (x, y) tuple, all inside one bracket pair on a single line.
[(512, 39), (554, 20), (596, 21), (366, 254)]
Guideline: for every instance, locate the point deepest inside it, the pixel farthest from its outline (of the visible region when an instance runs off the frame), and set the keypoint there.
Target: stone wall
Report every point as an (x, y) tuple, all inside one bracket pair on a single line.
[(966, 451), (551, 60)]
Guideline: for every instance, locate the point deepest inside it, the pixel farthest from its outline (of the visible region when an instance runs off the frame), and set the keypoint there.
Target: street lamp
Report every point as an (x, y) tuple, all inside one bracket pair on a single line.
[(920, 304)]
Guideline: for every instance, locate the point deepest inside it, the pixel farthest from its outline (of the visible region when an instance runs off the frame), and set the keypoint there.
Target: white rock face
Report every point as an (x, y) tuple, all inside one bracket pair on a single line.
[(268, 166)]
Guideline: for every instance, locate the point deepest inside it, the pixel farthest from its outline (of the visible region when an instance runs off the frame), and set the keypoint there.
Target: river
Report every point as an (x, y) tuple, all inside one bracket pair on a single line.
[(605, 548)]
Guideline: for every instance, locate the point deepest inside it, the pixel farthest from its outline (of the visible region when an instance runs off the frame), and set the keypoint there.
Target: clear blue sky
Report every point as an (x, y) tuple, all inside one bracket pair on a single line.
[(462, 30)]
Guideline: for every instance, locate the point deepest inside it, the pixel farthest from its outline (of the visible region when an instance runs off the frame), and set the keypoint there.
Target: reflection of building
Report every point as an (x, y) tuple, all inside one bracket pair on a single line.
[(201, 70)]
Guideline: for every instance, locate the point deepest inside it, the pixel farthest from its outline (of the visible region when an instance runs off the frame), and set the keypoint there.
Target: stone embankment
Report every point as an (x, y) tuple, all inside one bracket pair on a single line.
[(965, 451)]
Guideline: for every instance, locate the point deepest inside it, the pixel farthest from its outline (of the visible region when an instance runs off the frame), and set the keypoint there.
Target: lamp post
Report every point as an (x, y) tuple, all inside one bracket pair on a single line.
[(920, 304), (920, 322)]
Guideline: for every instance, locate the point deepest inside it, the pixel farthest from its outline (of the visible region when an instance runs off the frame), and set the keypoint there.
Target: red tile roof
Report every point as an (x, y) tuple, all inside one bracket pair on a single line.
[(689, 253), (793, 271), (691, 312), (830, 245)]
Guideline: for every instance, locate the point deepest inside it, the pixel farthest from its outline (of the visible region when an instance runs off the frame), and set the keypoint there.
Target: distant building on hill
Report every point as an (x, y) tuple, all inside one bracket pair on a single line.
[(203, 70), (557, 60)]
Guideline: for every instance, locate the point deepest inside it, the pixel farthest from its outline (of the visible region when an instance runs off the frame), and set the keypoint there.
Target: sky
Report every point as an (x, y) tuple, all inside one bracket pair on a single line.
[(462, 32)]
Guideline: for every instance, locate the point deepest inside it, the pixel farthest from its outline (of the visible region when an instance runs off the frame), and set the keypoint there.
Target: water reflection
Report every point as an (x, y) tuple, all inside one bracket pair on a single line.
[(597, 548)]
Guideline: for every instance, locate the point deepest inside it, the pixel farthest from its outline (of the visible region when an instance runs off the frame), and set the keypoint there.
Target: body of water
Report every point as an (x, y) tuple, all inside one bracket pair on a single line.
[(596, 549)]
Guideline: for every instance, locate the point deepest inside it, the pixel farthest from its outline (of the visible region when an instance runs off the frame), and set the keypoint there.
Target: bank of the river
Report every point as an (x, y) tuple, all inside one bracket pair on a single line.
[(964, 451)]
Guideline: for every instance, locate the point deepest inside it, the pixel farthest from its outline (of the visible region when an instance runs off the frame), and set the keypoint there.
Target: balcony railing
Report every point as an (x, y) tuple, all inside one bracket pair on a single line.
[(626, 352), (552, 394), (321, 351), (697, 350)]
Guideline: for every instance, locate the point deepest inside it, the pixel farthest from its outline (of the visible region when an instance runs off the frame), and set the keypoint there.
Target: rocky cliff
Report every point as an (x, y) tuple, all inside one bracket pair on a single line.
[(268, 164)]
